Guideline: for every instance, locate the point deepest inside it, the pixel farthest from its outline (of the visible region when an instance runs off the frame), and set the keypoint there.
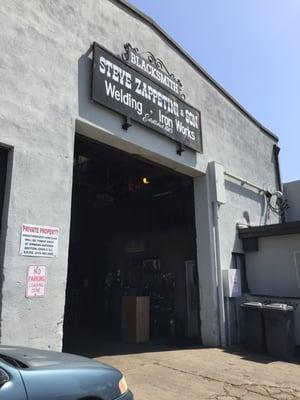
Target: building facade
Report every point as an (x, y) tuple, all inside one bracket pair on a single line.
[(51, 125), (273, 258), (291, 192)]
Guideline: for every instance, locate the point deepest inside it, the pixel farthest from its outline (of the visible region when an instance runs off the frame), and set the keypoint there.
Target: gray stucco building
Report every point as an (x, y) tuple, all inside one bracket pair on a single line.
[(273, 258), (156, 200)]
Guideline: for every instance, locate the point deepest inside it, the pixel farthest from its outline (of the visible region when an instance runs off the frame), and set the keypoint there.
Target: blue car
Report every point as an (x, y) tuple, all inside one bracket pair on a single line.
[(30, 374)]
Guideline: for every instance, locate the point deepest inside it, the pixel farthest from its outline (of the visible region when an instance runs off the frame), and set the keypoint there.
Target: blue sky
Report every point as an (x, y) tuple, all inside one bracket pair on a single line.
[(252, 48)]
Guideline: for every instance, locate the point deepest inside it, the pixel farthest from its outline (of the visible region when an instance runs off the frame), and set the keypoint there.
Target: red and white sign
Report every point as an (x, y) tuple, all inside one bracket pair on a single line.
[(36, 281), (235, 283), (231, 282), (39, 241)]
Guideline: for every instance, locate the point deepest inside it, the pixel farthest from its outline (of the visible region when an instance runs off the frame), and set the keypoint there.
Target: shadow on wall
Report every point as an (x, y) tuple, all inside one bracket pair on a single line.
[(87, 109), (249, 194), (6, 160)]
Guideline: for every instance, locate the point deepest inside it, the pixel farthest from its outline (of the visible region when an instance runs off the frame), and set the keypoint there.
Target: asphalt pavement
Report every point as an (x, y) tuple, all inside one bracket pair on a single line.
[(156, 373)]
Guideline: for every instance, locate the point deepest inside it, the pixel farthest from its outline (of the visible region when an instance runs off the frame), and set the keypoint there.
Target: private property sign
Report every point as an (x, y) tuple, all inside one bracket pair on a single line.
[(147, 98), (36, 281), (39, 241)]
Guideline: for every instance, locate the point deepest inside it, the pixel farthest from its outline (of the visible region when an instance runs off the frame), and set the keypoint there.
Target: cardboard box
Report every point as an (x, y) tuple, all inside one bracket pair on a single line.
[(135, 319)]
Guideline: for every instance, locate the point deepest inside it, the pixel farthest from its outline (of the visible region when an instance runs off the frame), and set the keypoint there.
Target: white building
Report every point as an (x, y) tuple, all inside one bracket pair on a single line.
[(273, 258), (146, 188)]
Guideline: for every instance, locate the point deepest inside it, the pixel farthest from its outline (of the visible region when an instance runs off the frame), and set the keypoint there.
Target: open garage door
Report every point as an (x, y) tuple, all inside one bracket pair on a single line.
[(132, 272)]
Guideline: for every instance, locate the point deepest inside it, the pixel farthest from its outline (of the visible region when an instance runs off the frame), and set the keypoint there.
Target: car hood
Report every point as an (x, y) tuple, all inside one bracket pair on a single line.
[(49, 375), (35, 358)]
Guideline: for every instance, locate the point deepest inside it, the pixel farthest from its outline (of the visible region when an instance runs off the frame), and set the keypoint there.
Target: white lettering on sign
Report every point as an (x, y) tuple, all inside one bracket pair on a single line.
[(115, 72), (39, 241), (144, 93), (36, 281), (154, 72)]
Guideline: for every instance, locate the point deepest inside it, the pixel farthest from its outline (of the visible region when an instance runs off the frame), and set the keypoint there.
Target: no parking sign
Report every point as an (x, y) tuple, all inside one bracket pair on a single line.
[(36, 281)]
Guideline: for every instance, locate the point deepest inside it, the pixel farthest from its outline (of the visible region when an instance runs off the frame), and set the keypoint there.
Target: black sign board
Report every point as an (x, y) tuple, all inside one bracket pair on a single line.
[(153, 68), (123, 89)]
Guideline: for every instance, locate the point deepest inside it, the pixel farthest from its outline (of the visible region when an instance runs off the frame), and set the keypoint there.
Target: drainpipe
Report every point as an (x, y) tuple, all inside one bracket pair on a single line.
[(276, 151), (218, 197)]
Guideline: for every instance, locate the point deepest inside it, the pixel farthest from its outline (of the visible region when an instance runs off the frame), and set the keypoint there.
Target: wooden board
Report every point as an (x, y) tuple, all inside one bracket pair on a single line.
[(135, 319)]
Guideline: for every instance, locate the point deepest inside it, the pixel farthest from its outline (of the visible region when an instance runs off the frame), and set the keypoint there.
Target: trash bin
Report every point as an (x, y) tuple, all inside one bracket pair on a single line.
[(279, 330), (254, 326)]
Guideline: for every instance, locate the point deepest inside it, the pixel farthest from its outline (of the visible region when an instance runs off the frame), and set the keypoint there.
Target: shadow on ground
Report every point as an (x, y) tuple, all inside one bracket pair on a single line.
[(258, 357), (90, 345), (93, 346)]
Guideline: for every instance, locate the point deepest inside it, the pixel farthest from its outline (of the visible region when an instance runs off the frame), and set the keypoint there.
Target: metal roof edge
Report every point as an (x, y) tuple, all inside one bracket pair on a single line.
[(291, 182), (281, 229), (154, 25)]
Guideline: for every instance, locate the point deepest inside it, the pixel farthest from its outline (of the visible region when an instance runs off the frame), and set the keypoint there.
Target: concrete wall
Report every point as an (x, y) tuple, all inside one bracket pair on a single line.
[(206, 261), (45, 84), (272, 271), (244, 206), (292, 194), (36, 120)]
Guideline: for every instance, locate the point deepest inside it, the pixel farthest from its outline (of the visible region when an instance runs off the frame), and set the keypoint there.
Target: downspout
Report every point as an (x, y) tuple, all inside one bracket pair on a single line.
[(276, 150)]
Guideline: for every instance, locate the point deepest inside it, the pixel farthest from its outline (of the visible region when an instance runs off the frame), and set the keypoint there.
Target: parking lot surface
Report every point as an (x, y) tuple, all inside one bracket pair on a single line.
[(206, 373)]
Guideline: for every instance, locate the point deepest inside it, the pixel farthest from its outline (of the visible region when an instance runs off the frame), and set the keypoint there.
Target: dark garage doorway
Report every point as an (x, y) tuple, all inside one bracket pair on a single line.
[(132, 235)]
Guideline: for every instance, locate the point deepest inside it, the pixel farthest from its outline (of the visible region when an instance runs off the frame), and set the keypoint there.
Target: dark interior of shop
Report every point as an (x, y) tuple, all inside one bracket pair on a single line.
[(132, 236)]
